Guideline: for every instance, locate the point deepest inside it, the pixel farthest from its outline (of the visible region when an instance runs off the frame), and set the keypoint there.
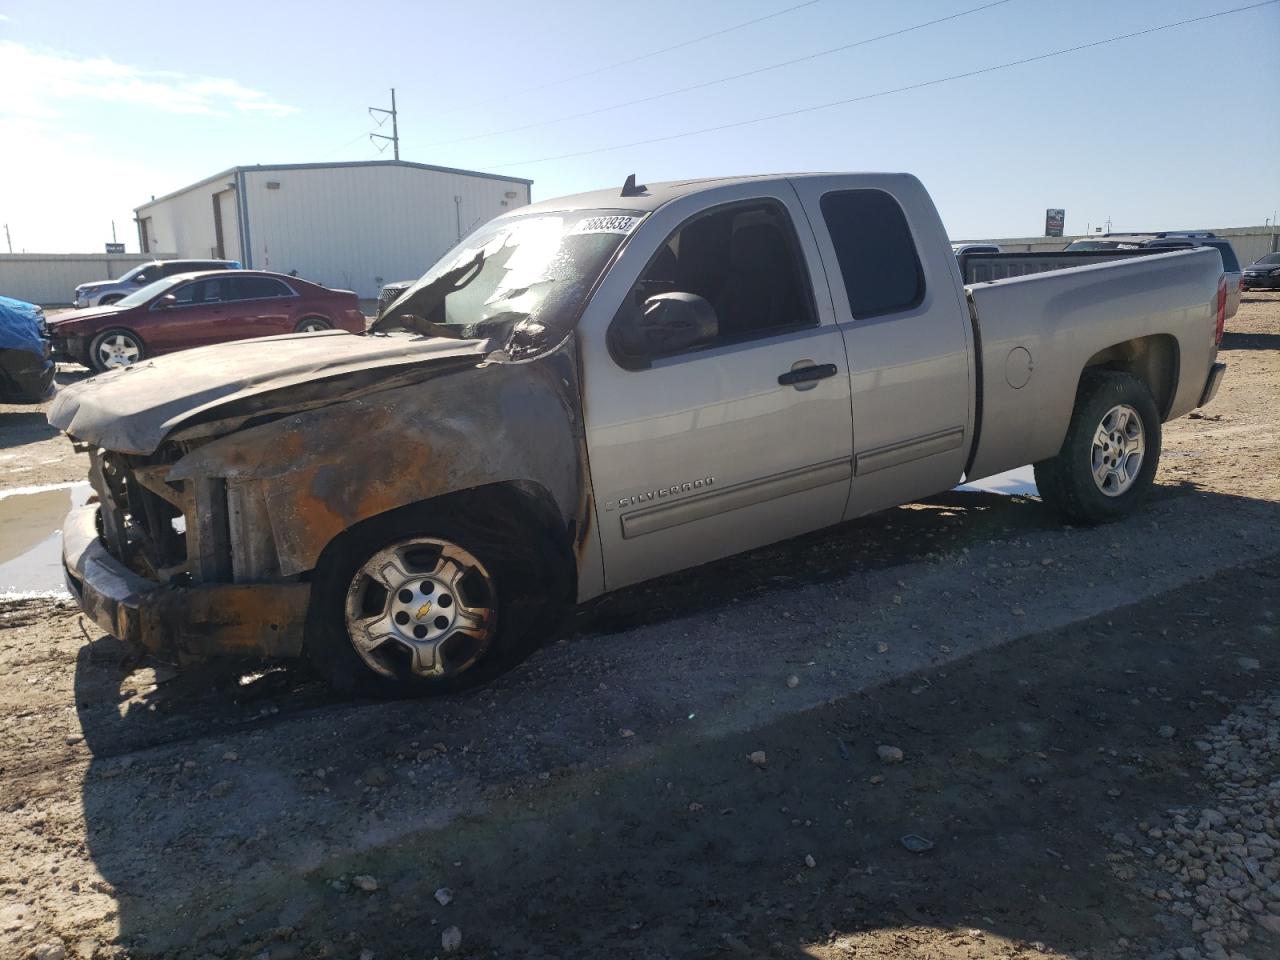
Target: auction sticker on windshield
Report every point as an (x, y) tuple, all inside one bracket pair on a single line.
[(615, 224)]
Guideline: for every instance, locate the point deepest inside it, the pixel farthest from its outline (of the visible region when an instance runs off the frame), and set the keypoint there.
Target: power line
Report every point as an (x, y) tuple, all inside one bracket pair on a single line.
[(636, 59), (735, 76), (884, 93)]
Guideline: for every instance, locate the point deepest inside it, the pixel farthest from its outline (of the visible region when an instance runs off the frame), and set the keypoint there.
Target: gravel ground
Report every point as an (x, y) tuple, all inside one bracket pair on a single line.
[(1220, 862), (32, 453), (694, 767)]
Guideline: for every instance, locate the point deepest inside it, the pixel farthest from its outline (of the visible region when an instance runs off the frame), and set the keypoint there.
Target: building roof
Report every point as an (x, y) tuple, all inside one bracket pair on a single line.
[(232, 171)]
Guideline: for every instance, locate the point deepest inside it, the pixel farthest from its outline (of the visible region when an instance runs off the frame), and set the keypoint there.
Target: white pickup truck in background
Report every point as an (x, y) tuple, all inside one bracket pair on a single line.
[(601, 389)]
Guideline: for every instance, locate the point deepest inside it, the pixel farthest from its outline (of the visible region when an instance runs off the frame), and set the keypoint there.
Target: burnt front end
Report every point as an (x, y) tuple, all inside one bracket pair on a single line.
[(183, 568)]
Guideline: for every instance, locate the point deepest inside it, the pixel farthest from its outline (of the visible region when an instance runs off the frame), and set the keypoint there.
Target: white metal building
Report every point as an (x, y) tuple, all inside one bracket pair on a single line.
[(348, 225)]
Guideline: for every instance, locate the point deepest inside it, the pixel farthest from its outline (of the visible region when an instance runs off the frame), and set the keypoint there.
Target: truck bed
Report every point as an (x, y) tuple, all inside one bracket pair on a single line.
[(1035, 333), (982, 267)]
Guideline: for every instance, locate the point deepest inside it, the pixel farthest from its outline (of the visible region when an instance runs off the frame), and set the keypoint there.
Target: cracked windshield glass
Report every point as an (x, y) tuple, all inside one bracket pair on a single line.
[(525, 275)]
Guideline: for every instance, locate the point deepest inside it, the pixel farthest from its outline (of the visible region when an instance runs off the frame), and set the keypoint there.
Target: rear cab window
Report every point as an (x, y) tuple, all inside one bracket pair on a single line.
[(878, 259)]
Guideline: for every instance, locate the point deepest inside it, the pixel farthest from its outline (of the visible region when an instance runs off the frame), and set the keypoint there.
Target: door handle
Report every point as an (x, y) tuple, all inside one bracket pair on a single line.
[(819, 371)]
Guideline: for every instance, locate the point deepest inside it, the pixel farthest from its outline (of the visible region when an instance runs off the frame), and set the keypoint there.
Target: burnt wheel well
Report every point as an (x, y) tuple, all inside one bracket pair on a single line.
[(1153, 360), (520, 514)]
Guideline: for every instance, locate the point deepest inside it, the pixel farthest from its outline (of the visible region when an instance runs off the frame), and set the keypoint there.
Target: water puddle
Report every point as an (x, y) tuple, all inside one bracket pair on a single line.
[(1020, 482), (31, 538)]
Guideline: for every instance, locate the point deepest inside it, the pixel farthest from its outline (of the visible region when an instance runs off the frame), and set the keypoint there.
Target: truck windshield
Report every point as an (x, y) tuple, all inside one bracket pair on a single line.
[(523, 277)]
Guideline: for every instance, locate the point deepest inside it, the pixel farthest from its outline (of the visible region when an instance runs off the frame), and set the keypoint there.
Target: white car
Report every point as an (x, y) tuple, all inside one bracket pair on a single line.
[(962, 248), (102, 293)]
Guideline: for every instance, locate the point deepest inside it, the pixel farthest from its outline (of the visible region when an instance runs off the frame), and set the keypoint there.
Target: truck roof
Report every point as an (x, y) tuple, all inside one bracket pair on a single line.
[(650, 196)]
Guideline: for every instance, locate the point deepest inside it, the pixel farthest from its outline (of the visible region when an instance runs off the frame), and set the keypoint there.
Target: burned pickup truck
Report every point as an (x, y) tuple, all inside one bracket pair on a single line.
[(597, 390)]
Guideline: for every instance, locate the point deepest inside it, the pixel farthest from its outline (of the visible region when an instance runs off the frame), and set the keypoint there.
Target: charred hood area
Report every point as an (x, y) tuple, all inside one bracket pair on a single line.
[(134, 409)]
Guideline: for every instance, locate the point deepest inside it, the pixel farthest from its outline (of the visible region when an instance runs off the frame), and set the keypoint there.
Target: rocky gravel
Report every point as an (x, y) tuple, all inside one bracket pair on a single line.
[(1221, 863)]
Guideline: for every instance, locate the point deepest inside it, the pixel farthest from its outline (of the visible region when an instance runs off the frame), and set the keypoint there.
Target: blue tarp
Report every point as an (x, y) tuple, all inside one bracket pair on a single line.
[(19, 329)]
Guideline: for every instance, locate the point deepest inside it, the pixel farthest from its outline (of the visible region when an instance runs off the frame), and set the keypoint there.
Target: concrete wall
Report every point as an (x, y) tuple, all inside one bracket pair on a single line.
[(50, 279), (359, 227), (1249, 243)]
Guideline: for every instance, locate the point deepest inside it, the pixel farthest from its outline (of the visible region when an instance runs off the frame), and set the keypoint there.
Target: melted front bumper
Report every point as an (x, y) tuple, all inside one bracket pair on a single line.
[(179, 622)]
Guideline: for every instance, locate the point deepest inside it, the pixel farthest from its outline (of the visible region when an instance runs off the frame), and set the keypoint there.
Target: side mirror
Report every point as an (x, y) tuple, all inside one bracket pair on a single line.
[(140, 279), (667, 323), (167, 301)]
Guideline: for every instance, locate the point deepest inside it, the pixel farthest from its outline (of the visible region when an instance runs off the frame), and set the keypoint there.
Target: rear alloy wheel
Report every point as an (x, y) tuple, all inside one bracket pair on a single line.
[(424, 607), (1109, 457), (115, 348), (313, 325), (1118, 446)]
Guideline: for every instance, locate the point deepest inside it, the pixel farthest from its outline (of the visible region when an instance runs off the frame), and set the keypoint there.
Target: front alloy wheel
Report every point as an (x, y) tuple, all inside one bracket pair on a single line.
[(424, 606), (113, 349)]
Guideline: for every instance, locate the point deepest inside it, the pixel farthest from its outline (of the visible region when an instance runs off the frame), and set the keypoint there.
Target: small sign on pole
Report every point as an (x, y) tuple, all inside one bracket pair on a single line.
[(1054, 220), (115, 248)]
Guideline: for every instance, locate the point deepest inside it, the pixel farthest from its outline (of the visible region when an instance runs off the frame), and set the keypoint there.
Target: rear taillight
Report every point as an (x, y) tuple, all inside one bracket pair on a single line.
[(1221, 321)]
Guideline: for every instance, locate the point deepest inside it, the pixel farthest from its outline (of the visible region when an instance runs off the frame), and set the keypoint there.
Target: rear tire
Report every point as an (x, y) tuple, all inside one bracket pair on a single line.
[(312, 325), (1110, 455), (418, 608)]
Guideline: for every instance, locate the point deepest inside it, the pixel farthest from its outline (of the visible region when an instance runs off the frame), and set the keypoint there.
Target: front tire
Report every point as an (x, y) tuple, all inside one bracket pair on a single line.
[(1110, 455), (115, 348), (418, 603)]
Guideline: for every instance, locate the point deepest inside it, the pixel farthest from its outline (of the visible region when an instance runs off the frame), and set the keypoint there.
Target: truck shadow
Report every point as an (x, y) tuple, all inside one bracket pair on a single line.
[(1003, 765), (1251, 341), (940, 525), (21, 427)]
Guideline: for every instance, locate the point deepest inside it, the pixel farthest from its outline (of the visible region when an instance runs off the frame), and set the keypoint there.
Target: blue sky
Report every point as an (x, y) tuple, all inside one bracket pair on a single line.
[(104, 104)]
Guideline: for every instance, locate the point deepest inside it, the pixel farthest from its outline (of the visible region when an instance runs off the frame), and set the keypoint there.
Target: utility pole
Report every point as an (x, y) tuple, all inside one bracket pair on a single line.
[(395, 131), (8, 239)]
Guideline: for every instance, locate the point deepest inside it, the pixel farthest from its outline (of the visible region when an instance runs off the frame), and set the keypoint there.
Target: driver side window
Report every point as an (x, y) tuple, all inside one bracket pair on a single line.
[(743, 260)]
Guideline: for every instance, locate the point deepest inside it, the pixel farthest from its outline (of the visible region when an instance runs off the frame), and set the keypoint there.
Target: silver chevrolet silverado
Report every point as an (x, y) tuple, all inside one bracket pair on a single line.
[(601, 389)]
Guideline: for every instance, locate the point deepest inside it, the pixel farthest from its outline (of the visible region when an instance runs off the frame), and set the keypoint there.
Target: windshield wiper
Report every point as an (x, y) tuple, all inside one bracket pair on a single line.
[(412, 312)]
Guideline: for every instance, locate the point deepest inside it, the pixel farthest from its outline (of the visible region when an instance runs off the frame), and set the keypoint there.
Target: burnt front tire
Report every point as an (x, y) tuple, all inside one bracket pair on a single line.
[(1110, 455), (421, 602)]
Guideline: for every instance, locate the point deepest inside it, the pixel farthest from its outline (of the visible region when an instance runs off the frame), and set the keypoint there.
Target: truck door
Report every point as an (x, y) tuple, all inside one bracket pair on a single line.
[(898, 304), (738, 441)]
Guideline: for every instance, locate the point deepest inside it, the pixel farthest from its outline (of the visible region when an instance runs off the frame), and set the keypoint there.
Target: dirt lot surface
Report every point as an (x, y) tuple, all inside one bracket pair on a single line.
[(32, 453), (1082, 724)]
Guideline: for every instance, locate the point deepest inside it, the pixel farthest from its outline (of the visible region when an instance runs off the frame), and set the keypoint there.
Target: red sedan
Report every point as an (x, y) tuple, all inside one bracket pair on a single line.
[(197, 309)]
